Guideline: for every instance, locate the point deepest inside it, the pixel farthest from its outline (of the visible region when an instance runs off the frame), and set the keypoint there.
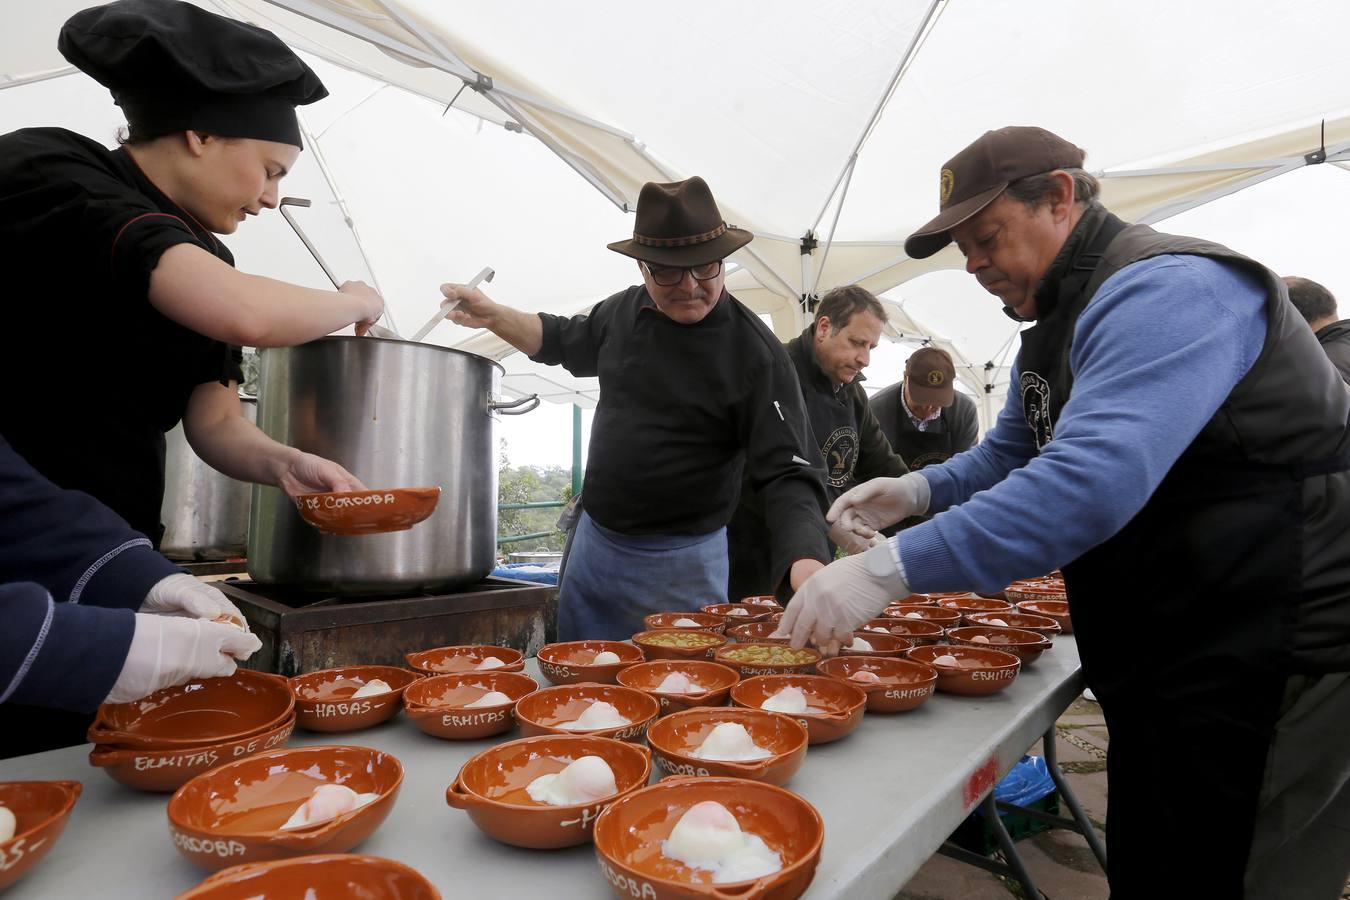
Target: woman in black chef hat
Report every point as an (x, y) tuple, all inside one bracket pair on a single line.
[(128, 307)]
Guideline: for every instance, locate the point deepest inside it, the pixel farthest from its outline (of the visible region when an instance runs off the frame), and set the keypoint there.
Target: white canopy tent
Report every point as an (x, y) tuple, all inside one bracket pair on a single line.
[(518, 134)]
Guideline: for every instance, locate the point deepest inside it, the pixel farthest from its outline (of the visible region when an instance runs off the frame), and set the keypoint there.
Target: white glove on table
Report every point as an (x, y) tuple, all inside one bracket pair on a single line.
[(880, 503), (169, 650), (837, 600), (183, 595)]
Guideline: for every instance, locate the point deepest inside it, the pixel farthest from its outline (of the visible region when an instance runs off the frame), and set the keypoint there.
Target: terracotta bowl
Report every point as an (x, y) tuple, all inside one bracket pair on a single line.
[(368, 512), (981, 671), (491, 788), (768, 601), (756, 633), (901, 684), (234, 814), (570, 662), (439, 705), (739, 613), (1058, 610), (728, 656), (915, 600), (834, 708), (195, 714), (947, 618), (464, 658), (882, 645), (323, 877), (324, 702), (629, 834), (675, 737), (164, 771), (661, 643), (706, 621), (543, 711), (1043, 625), (1035, 589), (968, 603), (714, 678), (41, 810), (1025, 645), (917, 631)]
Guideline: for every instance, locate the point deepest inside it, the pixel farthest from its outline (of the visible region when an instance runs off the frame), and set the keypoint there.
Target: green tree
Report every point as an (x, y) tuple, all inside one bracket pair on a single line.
[(530, 484)]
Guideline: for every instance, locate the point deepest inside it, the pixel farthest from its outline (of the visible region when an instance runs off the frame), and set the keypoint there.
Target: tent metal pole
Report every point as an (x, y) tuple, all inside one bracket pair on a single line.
[(34, 79)]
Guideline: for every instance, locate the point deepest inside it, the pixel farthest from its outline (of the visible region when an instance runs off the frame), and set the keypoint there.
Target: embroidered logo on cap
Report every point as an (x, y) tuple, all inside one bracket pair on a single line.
[(935, 377), (948, 181)]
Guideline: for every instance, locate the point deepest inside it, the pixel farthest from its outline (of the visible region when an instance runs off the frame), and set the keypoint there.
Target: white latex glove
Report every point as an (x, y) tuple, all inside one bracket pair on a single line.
[(837, 600), (852, 543), (169, 650), (880, 503), (183, 595)]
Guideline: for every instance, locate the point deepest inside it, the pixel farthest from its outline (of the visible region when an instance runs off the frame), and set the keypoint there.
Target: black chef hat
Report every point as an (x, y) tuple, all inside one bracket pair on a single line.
[(174, 67)]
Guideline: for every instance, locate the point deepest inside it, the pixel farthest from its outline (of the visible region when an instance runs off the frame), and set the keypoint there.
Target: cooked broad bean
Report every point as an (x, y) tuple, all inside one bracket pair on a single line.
[(769, 654)]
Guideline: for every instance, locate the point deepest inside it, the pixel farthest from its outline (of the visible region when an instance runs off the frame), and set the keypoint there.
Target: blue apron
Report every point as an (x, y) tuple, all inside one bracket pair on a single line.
[(612, 580)]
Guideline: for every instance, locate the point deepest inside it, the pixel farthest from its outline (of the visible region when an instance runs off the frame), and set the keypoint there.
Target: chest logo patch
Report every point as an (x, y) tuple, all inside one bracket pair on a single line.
[(1036, 407), (841, 455)]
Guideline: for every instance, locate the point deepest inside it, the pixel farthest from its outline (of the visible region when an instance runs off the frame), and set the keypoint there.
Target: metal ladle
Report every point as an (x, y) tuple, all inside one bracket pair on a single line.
[(377, 330)]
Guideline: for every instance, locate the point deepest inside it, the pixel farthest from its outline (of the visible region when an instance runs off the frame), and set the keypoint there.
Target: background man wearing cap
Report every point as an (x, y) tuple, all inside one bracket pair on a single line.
[(131, 309), (693, 388), (829, 357), (924, 417), (1177, 443), (1317, 305)]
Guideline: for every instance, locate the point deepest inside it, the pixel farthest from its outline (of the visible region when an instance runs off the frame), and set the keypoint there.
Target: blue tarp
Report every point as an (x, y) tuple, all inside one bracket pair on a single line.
[(527, 572)]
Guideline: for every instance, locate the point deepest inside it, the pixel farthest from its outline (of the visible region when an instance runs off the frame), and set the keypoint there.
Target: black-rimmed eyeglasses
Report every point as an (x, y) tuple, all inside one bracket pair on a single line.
[(669, 276)]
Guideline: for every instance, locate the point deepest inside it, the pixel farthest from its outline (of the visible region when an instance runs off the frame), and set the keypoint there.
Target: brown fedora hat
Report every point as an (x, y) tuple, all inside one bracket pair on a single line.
[(678, 224), (974, 178)]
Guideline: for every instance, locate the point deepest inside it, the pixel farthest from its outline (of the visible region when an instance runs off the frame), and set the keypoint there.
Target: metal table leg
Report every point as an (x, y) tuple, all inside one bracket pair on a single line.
[(1080, 818)]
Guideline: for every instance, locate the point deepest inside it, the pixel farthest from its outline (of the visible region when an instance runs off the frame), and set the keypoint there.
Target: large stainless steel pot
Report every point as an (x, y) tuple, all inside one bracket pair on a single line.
[(205, 513), (395, 414)]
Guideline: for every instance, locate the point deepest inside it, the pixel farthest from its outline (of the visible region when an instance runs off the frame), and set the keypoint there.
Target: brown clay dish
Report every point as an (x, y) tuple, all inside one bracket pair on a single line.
[(766, 600), (1058, 610), (1025, 645), (678, 643), (323, 877), (234, 814), (628, 837), (944, 617), (917, 631), (464, 658), (367, 512), (41, 810), (834, 708), (1035, 589), (324, 701), (757, 633), (572, 662), (164, 771), (545, 710), (674, 737), (1043, 625), (759, 659), (706, 621), (739, 613), (715, 679), (882, 645), (439, 705), (901, 684), (200, 712), (491, 788), (968, 603), (978, 671), (915, 600)]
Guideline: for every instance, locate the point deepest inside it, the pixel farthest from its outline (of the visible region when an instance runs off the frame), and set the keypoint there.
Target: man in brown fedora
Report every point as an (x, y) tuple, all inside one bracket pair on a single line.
[(693, 389), (1178, 444)]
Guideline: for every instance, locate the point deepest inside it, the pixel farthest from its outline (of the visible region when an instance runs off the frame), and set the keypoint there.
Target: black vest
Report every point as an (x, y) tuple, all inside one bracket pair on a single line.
[(1241, 558)]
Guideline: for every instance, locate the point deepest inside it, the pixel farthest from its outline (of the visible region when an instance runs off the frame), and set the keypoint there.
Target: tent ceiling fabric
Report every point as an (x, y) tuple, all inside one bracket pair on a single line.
[(766, 101)]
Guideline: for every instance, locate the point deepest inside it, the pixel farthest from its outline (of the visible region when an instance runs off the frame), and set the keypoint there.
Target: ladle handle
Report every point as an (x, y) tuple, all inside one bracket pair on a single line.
[(299, 232)]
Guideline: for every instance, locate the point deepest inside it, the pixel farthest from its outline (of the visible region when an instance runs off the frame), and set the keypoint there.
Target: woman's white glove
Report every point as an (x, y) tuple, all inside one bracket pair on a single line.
[(169, 650), (880, 503), (183, 595), (837, 600)]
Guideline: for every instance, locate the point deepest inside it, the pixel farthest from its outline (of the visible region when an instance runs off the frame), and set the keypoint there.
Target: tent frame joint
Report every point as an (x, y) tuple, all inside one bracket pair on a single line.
[(809, 243)]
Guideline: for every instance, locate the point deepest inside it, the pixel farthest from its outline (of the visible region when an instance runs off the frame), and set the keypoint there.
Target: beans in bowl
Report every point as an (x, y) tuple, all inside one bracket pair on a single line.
[(682, 640), (775, 654)]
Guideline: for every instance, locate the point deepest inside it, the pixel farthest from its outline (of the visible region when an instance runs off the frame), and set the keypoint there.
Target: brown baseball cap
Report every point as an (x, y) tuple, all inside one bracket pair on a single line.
[(930, 375), (973, 178)]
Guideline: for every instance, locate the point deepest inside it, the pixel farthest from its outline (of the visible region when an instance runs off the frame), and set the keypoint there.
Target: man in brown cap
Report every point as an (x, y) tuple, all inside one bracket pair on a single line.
[(924, 417), (694, 388), (1177, 443)]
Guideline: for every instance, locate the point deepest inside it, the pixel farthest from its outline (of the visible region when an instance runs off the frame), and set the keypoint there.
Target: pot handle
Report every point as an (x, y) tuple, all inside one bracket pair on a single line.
[(511, 408), (760, 887), (458, 796), (102, 757)]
